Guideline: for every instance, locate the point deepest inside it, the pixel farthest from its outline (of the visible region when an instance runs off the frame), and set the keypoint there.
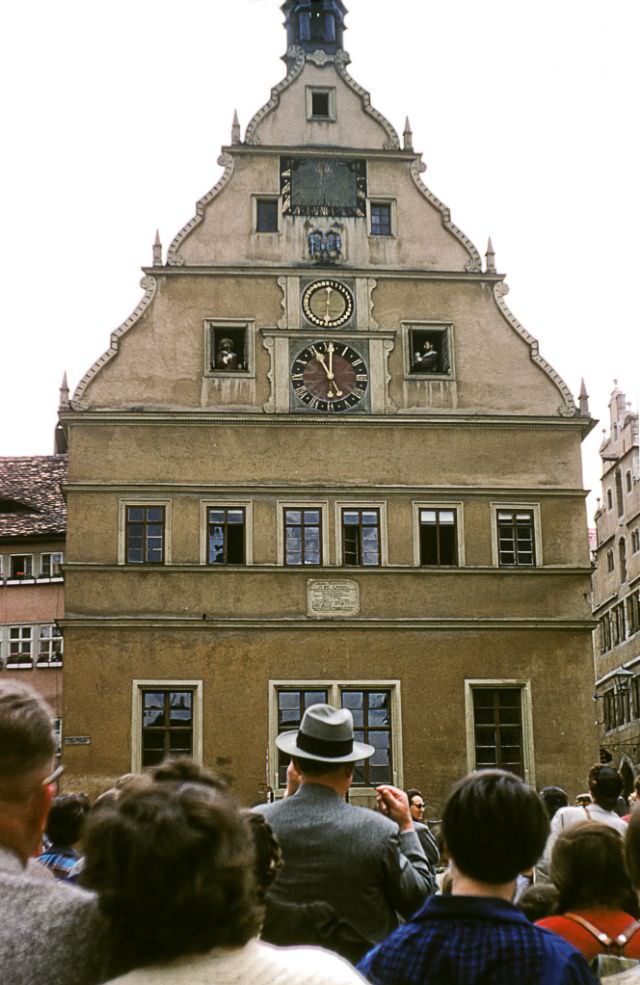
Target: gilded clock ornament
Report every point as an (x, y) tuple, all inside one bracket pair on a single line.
[(329, 376), (327, 303)]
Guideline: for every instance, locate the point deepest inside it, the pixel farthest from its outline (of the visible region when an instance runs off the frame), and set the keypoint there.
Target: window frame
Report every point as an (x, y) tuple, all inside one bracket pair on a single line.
[(380, 202), (383, 547), (323, 507), (334, 689), (54, 634), (51, 555), (226, 504), (430, 327), (515, 507), (635, 541), (211, 327), (257, 200), (138, 686), (458, 507), (332, 105), (20, 578), (524, 686), (151, 503), (25, 635)]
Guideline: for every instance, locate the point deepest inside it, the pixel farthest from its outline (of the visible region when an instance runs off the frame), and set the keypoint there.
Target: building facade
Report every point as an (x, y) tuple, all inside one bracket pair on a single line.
[(32, 539), (616, 590), (323, 461)]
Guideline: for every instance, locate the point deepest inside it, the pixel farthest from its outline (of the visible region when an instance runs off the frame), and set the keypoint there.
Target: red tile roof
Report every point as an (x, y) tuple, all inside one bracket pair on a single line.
[(31, 501)]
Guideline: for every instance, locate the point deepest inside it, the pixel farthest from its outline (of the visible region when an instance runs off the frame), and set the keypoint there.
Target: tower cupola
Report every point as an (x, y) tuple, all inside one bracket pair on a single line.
[(315, 24)]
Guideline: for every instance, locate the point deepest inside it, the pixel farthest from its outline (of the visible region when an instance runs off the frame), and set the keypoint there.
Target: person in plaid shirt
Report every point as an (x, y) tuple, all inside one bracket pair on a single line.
[(495, 827)]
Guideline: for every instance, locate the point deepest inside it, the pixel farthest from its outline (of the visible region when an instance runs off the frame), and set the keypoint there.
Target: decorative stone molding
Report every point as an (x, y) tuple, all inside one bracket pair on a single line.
[(173, 257), (568, 407), (341, 61), (474, 265), (149, 285), (372, 283), (269, 344), (250, 135)]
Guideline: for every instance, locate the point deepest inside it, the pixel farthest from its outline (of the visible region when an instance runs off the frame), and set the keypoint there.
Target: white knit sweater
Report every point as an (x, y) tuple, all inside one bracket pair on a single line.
[(257, 963)]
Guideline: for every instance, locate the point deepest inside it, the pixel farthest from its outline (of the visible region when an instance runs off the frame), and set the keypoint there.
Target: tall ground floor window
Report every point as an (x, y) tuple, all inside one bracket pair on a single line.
[(167, 721), (375, 707), (499, 733)]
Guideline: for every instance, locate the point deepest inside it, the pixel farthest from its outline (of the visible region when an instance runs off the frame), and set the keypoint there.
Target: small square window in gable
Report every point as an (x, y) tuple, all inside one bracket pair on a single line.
[(321, 103)]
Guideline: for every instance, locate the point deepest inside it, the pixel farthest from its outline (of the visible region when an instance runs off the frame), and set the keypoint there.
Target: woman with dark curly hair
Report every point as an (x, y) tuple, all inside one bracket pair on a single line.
[(596, 901), (172, 864)]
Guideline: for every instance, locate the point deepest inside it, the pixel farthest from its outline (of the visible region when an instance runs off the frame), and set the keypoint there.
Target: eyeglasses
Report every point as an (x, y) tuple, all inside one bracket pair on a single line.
[(420, 806), (58, 771)]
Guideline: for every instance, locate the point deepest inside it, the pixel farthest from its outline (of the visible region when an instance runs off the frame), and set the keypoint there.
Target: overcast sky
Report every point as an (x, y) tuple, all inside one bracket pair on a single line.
[(114, 115)]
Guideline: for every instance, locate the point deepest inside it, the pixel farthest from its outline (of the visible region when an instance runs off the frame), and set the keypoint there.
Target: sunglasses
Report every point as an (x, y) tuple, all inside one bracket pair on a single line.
[(58, 771)]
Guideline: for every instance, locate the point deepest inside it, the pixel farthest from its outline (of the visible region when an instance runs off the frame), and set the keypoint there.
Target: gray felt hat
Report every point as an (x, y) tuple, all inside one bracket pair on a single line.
[(326, 736)]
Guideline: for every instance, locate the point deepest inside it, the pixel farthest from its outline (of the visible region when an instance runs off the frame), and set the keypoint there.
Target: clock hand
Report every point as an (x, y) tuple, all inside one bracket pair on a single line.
[(328, 370), (327, 316), (320, 358)]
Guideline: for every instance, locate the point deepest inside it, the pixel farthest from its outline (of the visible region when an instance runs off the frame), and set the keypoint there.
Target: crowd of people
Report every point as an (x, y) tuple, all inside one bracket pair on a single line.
[(166, 880)]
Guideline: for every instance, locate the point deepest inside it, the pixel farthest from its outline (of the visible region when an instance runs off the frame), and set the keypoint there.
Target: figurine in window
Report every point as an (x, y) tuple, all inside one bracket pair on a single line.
[(427, 360), (226, 357)]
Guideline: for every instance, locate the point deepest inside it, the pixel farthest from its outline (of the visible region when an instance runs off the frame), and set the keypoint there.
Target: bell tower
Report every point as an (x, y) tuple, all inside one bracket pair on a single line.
[(315, 24)]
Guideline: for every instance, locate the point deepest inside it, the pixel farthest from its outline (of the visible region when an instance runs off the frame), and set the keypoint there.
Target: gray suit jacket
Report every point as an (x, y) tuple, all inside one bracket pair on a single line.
[(350, 857), (50, 933)]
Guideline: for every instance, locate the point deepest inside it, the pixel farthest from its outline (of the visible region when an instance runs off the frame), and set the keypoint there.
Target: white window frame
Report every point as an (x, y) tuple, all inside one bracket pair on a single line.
[(29, 577), (370, 504), (50, 640), (298, 504), (440, 504), (226, 504), (22, 630), (52, 555), (248, 324), (137, 686), (330, 91), (524, 685), (334, 688), (393, 216), (150, 501), (495, 506)]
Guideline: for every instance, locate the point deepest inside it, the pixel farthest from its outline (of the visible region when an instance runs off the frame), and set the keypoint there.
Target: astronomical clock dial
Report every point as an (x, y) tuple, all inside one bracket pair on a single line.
[(329, 375), (327, 303)]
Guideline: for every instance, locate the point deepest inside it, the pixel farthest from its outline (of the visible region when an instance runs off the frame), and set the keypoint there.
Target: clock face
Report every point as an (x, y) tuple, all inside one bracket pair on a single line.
[(329, 375), (327, 303)]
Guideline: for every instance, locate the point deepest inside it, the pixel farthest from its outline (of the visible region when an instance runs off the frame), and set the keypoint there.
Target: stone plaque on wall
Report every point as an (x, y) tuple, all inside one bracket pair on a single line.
[(333, 597)]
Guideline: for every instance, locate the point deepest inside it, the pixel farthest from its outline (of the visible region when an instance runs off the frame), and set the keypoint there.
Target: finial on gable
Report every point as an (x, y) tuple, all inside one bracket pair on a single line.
[(64, 392), (157, 250), (490, 257), (583, 399), (314, 25), (408, 135), (235, 129)]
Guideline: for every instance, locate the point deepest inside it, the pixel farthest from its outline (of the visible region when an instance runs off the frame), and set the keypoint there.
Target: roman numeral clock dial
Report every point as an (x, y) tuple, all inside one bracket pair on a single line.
[(329, 376)]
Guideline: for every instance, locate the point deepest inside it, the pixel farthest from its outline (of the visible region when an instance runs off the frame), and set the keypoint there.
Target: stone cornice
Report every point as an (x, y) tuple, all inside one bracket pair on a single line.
[(324, 150), (192, 417), (211, 490), (336, 624), (260, 269)]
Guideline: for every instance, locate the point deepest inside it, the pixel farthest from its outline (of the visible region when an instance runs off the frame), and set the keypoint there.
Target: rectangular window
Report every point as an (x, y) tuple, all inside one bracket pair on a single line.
[(225, 535), (635, 696), (50, 647), (605, 633), (167, 724), (610, 561), (609, 710), (438, 537), (303, 536), (21, 566), (50, 565), (516, 543), (498, 728), (371, 712), (20, 646), (375, 709), (635, 540), (428, 350), (267, 215), (381, 219), (145, 534), (321, 103), (633, 612), (629, 481), (361, 537), (229, 347), (292, 704), (618, 624)]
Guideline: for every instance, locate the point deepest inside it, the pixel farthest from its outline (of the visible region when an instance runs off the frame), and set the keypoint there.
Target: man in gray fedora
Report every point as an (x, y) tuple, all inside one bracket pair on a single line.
[(368, 866)]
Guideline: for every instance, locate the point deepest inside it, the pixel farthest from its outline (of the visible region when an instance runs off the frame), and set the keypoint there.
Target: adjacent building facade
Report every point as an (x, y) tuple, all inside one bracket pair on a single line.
[(32, 538), (323, 461), (616, 590)]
